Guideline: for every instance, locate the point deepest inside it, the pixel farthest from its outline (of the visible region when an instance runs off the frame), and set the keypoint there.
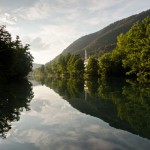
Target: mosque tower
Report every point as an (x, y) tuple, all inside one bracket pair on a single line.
[(85, 59), (85, 54)]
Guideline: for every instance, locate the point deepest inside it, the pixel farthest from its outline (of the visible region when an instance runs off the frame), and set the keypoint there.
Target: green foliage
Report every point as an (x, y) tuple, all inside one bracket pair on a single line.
[(131, 55), (92, 67), (79, 67), (74, 87), (68, 88), (104, 63), (131, 100), (124, 104), (92, 85), (137, 50), (71, 65), (15, 59)]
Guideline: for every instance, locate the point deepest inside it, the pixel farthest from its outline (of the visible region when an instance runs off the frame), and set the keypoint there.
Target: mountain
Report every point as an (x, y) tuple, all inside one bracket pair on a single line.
[(105, 39), (36, 65)]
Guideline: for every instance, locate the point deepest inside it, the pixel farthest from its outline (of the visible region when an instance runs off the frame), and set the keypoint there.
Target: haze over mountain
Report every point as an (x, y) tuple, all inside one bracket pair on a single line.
[(36, 65), (105, 39)]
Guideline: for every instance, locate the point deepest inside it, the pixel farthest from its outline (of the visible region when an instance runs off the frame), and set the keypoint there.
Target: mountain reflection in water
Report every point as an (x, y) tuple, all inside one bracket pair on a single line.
[(121, 103)]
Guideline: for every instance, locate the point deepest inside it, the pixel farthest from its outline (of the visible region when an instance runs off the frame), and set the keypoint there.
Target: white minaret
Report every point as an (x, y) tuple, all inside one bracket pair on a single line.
[(85, 54), (85, 59)]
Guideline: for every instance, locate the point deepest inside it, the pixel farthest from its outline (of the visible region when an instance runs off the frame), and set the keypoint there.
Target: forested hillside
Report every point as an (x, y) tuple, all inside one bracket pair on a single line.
[(105, 39), (131, 56)]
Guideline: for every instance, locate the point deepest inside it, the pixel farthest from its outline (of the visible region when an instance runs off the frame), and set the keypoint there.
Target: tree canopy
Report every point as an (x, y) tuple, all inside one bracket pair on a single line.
[(70, 65), (15, 59), (131, 55), (92, 67), (137, 49)]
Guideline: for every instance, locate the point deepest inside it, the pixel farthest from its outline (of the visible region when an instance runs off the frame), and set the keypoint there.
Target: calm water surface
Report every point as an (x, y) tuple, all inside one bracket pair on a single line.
[(74, 115)]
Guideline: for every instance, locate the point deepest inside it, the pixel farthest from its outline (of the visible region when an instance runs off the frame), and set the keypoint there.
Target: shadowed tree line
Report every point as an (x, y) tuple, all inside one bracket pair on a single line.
[(15, 59), (15, 64), (68, 65)]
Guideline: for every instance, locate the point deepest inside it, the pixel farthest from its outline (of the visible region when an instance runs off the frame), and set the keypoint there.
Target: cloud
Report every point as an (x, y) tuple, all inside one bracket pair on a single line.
[(36, 12), (46, 9), (96, 5), (52, 38), (50, 26), (38, 45), (8, 19)]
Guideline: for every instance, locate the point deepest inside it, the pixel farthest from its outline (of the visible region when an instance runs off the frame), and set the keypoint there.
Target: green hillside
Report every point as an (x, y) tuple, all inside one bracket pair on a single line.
[(105, 39)]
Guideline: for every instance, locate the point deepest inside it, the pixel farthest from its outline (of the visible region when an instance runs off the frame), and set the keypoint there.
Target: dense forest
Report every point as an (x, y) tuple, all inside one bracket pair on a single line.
[(131, 56), (71, 65), (15, 58)]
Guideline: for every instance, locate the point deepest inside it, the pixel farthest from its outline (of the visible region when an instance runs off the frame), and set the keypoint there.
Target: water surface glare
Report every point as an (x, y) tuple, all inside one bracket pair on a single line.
[(53, 124)]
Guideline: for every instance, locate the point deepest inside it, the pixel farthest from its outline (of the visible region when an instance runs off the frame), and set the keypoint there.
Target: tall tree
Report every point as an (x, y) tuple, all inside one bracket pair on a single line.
[(79, 67), (92, 67), (137, 50), (15, 59)]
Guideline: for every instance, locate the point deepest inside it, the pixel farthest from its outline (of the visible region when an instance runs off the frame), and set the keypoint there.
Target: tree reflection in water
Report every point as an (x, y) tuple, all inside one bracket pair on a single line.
[(14, 98), (123, 104)]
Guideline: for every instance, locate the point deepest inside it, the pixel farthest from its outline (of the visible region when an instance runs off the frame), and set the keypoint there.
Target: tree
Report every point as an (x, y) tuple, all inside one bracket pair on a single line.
[(104, 63), (92, 67), (79, 67), (131, 55), (15, 59), (71, 64), (6, 52), (61, 64), (117, 55), (137, 49)]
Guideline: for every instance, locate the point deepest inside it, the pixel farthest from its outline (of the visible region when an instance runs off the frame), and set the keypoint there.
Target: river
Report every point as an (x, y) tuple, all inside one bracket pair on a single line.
[(75, 115)]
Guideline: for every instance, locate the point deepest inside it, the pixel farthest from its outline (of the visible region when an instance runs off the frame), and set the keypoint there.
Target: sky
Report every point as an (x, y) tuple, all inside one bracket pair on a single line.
[(49, 26)]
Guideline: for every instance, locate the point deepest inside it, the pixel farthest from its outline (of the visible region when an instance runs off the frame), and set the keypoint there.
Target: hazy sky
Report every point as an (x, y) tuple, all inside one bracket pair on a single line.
[(49, 26)]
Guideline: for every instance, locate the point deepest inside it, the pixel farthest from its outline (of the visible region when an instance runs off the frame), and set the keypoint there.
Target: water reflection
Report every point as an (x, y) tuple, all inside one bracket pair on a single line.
[(14, 98), (123, 104)]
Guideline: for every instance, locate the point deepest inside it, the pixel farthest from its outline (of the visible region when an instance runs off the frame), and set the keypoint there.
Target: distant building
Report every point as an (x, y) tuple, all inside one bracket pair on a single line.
[(85, 59)]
